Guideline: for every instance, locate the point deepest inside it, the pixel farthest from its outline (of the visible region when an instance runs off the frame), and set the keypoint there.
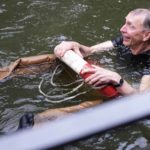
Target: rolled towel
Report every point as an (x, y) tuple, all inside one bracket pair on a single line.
[(52, 114)]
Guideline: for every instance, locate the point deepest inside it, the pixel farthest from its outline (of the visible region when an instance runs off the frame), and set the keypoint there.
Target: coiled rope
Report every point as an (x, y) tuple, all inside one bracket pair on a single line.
[(63, 97)]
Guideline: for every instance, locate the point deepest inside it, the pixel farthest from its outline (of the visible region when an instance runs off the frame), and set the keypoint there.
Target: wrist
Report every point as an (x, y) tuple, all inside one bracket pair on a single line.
[(119, 84)]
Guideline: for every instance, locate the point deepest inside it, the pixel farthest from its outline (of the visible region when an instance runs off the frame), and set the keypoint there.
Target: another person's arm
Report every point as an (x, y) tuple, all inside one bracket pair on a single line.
[(145, 83)]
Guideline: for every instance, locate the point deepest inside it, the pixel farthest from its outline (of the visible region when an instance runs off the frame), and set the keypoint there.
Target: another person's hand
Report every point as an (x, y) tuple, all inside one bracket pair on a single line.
[(101, 76), (64, 46)]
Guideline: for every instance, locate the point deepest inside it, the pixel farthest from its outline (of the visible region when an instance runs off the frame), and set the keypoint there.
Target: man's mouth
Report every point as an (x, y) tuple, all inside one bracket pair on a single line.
[(126, 38)]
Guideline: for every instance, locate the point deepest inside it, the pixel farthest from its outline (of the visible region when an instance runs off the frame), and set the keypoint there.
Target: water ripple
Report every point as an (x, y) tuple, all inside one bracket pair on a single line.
[(10, 31), (26, 18)]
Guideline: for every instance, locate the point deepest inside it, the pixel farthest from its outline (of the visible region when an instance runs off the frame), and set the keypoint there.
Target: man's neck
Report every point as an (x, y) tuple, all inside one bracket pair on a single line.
[(140, 48)]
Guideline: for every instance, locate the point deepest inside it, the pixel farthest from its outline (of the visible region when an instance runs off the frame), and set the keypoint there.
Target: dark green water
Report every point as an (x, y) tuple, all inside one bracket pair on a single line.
[(34, 27)]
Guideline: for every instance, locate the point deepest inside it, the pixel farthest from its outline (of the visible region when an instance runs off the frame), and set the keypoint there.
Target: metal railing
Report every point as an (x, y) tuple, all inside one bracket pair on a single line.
[(79, 125)]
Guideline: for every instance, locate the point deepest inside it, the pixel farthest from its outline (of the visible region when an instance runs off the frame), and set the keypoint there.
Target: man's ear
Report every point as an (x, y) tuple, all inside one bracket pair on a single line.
[(146, 36)]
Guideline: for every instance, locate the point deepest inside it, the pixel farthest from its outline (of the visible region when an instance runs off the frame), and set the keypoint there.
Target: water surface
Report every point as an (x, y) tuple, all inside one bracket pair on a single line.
[(34, 27)]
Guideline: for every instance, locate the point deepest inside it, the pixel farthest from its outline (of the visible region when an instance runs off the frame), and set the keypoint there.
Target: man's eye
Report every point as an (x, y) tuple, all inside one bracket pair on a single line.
[(132, 27)]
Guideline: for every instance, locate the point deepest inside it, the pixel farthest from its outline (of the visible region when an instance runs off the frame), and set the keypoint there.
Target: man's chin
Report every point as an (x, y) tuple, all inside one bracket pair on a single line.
[(126, 43)]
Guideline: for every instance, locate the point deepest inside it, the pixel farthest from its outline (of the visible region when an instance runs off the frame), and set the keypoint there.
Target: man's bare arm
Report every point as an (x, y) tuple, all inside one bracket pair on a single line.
[(80, 49), (105, 46)]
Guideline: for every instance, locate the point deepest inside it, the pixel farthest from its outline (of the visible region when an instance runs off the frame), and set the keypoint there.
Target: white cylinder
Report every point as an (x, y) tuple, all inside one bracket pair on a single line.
[(74, 61)]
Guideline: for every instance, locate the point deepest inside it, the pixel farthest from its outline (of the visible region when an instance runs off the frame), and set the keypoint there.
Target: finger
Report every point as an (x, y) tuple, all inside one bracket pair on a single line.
[(57, 51), (91, 79), (106, 79), (60, 51), (76, 49), (88, 70), (97, 67), (103, 80)]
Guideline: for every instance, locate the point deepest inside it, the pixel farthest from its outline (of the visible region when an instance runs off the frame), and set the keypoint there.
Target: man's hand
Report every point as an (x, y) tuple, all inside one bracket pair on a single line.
[(101, 76), (64, 46)]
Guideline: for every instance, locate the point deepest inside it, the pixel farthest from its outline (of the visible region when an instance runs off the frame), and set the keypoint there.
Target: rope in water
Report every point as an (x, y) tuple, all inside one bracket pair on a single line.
[(64, 85), (63, 97)]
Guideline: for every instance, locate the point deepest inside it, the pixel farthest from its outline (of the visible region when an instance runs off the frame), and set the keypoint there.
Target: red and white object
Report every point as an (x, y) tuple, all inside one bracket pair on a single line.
[(78, 64)]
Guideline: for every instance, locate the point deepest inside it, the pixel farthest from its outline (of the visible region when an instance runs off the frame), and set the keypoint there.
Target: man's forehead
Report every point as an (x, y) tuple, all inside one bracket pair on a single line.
[(135, 17)]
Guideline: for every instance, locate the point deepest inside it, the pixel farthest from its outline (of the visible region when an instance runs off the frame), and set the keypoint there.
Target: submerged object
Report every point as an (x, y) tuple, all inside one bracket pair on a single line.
[(29, 120), (28, 65), (57, 113)]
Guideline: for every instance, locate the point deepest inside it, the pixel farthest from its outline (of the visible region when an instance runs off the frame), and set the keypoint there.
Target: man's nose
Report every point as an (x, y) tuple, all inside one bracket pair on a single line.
[(123, 28)]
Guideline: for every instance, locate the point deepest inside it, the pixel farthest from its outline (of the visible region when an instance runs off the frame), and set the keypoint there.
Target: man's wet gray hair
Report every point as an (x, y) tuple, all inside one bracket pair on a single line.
[(146, 13)]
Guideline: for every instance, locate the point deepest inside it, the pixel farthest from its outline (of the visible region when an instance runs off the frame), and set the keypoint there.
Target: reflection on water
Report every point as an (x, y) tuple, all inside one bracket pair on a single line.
[(35, 27)]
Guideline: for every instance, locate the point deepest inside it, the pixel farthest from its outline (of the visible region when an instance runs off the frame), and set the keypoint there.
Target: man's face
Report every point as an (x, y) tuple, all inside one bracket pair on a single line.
[(132, 31)]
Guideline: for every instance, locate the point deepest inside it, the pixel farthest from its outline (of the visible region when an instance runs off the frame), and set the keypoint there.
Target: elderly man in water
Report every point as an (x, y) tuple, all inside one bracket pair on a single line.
[(133, 43)]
